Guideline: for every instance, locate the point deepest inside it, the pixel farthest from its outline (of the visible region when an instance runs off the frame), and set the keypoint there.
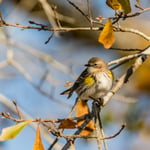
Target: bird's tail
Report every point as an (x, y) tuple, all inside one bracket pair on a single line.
[(65, 92), (68, 91)]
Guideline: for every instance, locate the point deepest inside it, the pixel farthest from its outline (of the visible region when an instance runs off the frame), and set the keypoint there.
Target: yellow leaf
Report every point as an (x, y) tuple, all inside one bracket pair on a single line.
[(106, 37), (38, 141), (82, 109), (13, 131)]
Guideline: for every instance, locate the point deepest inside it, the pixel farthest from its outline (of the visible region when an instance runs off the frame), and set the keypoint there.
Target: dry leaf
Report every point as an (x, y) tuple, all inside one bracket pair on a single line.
[(106, 37), (67, 124), (12, 131), (38, 141), (82, 109), (88, 130)]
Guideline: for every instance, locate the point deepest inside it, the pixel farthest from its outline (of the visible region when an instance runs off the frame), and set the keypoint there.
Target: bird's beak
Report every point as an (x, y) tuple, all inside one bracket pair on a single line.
[(87, 65)]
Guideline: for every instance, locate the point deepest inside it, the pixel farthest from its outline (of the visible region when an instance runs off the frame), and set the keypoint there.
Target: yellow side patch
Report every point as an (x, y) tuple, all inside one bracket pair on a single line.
[(110, 74), (89, 81)]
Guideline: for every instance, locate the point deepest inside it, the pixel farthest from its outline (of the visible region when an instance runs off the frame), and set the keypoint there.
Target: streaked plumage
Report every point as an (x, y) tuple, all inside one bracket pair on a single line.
[(94, 81)]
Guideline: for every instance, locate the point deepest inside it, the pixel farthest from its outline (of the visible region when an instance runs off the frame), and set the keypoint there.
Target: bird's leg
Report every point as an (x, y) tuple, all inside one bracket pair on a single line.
[(98, 102)]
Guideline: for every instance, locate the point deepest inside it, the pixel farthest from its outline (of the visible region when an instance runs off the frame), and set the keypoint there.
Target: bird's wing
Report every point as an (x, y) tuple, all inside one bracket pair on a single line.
[(78, 82)]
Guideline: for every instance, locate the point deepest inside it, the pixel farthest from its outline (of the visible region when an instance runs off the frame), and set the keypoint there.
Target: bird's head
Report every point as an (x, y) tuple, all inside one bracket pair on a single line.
[(96, 64)]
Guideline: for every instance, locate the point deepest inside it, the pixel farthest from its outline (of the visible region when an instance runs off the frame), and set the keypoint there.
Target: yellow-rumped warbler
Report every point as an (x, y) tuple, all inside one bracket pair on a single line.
[(95, 81)]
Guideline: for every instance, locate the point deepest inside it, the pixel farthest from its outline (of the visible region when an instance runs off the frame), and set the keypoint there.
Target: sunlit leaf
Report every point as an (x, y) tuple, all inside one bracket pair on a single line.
[(114, 4), (106, 36), (82, 109), (67, 124), (12, 131), (88, 130), (38, 141), (120, 5), (125, 4)]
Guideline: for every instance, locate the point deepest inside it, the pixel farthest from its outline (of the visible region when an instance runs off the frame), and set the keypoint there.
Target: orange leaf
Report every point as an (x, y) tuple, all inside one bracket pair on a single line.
[(88, 129), (38, 141), (106, 37), (82, 109), (67, 124)]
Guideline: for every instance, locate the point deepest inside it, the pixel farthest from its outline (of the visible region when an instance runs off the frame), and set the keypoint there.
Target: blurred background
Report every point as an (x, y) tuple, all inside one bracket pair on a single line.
[(40, 70)]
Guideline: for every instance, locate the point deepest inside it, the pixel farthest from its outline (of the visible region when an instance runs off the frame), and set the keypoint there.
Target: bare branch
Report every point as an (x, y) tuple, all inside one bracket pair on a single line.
[(44, 133), (77, 8), (17, 109)]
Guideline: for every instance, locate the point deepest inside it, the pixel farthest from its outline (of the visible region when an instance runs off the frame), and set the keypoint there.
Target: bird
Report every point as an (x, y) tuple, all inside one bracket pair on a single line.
[(94, 82)]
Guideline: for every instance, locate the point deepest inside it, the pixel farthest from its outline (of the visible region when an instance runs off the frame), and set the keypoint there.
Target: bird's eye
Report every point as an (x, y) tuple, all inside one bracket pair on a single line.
[(95, 64)]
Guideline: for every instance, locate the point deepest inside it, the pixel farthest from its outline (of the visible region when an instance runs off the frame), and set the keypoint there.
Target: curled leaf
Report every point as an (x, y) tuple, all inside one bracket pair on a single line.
[(106, 37), (67, 124), (82, 109)]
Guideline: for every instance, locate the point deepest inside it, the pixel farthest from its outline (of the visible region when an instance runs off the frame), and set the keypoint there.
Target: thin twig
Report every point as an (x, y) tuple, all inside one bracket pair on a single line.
[(98, 127), (50, 37), (126, 50), (56, 17), (28, 77), (113, 136), (90, 14), (77, 8), (44, 133), (53, 144), (134, 31), (17, 109), (122, 16), (48, 11), (67, 145), (66, 29)]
